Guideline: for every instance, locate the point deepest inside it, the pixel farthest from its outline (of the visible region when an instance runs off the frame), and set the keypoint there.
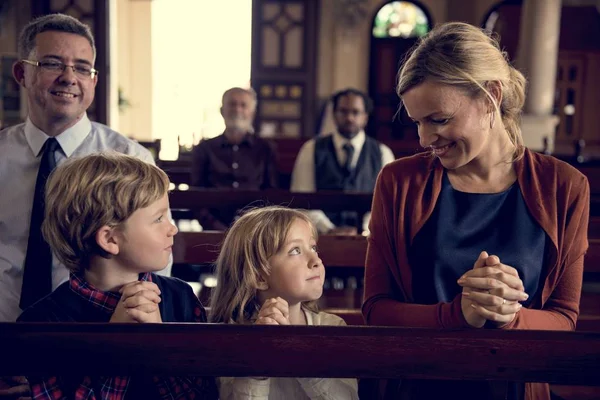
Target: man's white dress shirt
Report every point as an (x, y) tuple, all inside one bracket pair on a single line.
[(20, 146)]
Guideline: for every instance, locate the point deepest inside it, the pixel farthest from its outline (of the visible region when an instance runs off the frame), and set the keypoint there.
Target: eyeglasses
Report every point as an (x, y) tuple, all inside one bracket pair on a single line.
[(57, 67)]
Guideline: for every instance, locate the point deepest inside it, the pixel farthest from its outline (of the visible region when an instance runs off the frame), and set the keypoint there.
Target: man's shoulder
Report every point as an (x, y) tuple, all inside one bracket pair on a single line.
[(213, 141), (322, 143), (113, 140), (321, 138), (9, 135)]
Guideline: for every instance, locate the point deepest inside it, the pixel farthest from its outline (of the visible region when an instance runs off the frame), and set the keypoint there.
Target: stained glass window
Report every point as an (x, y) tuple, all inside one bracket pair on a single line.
[(400, 19)]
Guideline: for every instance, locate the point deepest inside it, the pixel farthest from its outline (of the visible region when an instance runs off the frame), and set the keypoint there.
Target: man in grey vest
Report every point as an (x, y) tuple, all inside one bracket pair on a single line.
[(347, 159)]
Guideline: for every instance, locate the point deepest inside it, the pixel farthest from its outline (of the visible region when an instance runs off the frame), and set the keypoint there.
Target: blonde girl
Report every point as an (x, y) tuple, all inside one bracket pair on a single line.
[(269, 273)]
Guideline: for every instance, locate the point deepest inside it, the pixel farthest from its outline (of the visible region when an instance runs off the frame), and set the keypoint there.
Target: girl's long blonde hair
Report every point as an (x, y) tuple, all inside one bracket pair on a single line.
[(244, 259)]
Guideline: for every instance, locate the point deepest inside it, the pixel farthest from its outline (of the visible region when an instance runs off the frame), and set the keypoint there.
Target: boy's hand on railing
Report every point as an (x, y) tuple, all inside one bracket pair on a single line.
[(14, 387), (274, 311), (139, 303)]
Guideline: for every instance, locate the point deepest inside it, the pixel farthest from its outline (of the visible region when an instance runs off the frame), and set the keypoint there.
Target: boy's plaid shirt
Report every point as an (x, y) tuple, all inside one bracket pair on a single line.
[(115, 387)]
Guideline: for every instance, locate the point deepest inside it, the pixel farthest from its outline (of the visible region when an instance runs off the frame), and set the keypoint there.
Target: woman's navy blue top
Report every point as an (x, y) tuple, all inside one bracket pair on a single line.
[(461, 227)]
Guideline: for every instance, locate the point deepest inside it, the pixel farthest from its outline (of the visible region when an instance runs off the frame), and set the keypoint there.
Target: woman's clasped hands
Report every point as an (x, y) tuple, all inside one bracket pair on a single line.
[(491, 292)]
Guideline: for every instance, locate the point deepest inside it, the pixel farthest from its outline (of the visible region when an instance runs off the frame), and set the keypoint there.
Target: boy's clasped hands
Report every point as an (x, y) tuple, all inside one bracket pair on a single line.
[(491, 292), (139, 303)]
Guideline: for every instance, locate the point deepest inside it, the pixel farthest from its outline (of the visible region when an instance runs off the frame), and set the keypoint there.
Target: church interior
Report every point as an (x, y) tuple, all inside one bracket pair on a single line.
[(297, 54)]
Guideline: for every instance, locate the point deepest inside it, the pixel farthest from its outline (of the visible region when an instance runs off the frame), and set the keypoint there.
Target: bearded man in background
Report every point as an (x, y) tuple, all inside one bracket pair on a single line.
[(237, 159)]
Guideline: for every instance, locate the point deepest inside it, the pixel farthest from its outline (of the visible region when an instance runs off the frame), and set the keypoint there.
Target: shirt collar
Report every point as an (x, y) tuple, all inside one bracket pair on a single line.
[(357, 141), (69, 140), (105, 301)]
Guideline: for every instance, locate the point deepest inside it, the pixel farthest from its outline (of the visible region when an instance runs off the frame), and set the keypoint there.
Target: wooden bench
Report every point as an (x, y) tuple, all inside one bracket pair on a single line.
[(186, 204), (350, 252), (365, 352), (179, 171), (334, 250), (197, 198)]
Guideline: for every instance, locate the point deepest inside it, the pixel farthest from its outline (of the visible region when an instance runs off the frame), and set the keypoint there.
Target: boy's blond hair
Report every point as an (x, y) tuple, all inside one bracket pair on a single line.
[(84, 194), (244, 260)]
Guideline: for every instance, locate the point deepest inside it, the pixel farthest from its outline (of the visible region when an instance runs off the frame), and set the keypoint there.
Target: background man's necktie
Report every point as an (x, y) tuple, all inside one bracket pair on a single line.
[(349, 149), (37, 274)]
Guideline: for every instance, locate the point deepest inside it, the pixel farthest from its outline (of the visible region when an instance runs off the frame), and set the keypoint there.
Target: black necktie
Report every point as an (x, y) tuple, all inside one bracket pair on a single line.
[(37, 274), (349, 149)]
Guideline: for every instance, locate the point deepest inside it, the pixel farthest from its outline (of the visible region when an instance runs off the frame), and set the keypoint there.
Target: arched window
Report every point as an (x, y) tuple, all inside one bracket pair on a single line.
[(397, 26), (400, 19)]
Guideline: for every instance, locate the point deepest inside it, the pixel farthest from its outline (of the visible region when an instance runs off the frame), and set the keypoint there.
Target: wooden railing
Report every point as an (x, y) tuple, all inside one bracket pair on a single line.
[(197, 198), (350, 252), (334, 250), (179, 173), (364, 352)]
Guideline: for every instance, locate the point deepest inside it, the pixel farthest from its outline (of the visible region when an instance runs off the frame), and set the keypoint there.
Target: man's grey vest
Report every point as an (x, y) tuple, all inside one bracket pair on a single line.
[(330, 175)]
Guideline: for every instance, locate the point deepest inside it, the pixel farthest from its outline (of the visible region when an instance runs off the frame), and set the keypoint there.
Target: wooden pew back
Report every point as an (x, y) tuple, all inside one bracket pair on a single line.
[(334, 250), (367, 352), (350, 252)]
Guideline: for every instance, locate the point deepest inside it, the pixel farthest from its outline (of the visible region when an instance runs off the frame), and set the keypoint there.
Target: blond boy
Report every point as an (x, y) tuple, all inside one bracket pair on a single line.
[(107, 221)]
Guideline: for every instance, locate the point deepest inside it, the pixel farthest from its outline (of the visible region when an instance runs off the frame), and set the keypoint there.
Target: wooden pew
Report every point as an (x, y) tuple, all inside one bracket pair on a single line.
[(334, 250), (179, 171), (350, 252), (197, 198), (337, 252), (188, 203), (367, 352)]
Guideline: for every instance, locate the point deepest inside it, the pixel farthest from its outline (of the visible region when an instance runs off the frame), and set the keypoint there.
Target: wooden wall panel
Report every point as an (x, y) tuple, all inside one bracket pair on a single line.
[(283, 73)]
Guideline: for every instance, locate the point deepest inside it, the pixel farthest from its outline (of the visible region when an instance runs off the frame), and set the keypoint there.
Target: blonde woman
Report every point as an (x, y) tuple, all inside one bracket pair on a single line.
[(479, 232), (269, 273)]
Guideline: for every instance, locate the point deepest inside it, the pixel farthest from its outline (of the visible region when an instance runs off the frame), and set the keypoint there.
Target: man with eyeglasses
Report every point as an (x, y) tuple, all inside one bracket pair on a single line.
[(56, 68), (347, 160)]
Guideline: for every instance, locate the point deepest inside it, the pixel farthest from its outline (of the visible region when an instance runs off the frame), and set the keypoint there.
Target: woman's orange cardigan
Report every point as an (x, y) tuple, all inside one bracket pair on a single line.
[(558, 198)]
